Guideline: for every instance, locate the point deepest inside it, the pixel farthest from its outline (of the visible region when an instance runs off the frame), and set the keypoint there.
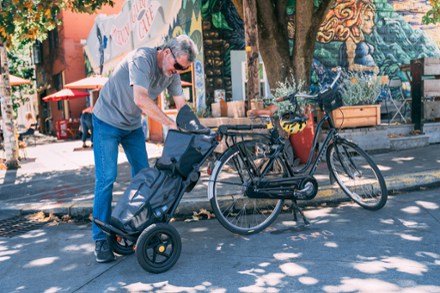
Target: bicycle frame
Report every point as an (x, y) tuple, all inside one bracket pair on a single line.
[(276, 142), (332, 134)]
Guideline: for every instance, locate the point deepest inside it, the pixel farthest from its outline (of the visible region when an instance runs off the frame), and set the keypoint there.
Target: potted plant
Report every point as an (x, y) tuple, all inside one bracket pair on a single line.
[(301, 142), (359, 92)]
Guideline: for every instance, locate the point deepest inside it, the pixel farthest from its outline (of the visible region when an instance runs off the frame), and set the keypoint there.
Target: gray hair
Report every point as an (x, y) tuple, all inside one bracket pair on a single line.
[(183, 45)]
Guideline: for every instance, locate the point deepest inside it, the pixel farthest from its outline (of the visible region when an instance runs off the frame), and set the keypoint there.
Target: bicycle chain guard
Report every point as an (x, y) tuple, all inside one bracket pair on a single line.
[(304, 188)]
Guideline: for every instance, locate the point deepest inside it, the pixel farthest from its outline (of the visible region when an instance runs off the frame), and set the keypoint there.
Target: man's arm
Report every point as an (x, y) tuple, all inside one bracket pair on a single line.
[(149, 107), (180, 101)]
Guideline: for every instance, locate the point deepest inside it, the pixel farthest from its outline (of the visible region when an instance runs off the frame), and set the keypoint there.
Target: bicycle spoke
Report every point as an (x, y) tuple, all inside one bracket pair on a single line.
[(237, 212), (357, 175)]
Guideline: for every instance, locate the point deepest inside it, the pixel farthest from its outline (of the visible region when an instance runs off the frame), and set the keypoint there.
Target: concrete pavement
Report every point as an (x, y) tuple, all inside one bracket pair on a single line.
[(345, 249), (59, 178)]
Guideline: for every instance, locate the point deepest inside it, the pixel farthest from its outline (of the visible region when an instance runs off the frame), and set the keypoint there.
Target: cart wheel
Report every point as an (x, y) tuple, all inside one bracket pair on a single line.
[(121, 245), (158, 248)]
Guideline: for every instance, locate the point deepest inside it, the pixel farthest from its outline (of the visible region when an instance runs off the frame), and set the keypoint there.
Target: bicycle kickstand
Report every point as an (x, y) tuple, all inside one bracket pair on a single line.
[(295, 209)]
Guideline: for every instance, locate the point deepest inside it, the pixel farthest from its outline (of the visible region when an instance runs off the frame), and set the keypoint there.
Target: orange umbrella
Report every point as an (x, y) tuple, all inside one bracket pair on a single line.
[(15, 80), (91, 82), (65, 94)]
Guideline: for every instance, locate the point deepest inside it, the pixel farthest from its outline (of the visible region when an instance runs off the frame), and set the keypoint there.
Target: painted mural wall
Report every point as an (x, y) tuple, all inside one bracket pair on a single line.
[(376, 36), (146, 23), (223, 31), (189, 22)]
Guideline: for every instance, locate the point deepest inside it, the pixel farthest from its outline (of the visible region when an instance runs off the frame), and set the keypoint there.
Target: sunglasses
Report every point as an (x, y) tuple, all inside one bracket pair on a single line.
[(177, 65)]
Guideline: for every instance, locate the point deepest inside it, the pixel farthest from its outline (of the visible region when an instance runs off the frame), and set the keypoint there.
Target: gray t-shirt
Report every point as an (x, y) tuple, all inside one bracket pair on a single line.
[(115, 105)]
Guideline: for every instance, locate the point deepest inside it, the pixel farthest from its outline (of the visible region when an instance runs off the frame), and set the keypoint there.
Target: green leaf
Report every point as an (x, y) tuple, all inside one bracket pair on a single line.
[(218, 20)]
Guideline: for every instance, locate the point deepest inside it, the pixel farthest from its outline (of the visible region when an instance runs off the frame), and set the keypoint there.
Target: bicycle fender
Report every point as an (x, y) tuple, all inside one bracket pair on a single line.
[(211, 181)]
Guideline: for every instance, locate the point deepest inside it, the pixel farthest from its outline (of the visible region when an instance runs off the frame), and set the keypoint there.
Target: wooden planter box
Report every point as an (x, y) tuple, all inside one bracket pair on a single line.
[(356, 116)]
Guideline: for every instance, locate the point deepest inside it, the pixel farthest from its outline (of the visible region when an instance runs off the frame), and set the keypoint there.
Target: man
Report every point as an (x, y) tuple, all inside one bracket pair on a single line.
[(130, 92), (86, 125)]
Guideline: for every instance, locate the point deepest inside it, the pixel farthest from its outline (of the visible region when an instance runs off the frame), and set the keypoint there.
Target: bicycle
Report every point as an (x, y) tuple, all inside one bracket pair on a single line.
[(252, 178)]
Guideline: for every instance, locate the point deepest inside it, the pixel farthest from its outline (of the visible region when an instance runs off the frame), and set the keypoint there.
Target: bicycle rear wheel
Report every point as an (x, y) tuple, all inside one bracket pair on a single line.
[(227, 190), (357, 174)]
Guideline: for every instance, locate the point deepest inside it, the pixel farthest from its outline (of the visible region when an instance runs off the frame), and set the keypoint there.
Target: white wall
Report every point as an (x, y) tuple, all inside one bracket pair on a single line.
[(237, 76)]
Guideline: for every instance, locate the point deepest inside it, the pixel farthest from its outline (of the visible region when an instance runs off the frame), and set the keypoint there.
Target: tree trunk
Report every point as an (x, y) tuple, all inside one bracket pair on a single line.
[(9, 129), (253, 63), (273, 37), (304, 41), (307, 23), (273, 42)]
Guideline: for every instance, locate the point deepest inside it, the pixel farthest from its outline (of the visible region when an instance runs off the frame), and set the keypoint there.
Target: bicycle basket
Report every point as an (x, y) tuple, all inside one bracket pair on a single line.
[(330, 100)]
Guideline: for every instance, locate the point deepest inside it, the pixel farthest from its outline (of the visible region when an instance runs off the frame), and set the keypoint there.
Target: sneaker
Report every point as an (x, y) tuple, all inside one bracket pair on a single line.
[(103, 252)]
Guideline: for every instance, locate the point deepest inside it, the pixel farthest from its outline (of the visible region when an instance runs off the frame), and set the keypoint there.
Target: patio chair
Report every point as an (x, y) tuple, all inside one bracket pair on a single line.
[(396, 97)]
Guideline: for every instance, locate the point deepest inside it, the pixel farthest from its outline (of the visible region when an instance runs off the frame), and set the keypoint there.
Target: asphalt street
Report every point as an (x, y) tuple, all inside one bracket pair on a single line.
[(345, 249)]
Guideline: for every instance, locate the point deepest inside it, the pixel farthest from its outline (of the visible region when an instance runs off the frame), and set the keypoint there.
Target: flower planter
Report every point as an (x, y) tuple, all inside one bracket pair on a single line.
[(302, 142), (356, 116)]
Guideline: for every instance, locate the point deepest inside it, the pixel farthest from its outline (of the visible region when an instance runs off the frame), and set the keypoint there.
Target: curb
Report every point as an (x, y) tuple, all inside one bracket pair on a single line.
[(326, 194)]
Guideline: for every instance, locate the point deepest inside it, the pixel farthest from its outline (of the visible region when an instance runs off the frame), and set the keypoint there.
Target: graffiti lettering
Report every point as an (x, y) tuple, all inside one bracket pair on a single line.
[(137, 8), (145, 23), (121, 35)]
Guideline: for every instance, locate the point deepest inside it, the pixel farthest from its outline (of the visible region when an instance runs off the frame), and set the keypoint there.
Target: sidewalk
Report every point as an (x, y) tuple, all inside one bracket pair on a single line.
[(59, 178)]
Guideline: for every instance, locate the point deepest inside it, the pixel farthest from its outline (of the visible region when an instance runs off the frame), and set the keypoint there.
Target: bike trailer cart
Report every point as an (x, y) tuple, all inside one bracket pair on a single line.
[(143, 227)]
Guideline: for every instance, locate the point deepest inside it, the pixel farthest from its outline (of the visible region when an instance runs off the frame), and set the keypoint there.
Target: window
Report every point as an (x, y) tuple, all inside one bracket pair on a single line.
[(58, 81), (60, 105), (53, 40)]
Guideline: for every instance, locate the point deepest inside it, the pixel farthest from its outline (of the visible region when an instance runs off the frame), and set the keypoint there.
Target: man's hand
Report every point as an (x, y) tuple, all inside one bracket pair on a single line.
[(174, 126), (150, 108)]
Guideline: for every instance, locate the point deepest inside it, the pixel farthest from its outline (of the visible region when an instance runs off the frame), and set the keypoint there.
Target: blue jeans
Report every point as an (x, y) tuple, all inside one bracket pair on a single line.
[(105, 147)]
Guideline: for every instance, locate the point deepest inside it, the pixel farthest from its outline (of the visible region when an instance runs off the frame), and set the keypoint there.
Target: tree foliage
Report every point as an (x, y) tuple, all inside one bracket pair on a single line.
[(21, 23), (433, 15), (24, 21)]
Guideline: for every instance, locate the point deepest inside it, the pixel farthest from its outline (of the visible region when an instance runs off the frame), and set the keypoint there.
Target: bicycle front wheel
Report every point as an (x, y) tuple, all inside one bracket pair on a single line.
[(357, 174), (227, 190)]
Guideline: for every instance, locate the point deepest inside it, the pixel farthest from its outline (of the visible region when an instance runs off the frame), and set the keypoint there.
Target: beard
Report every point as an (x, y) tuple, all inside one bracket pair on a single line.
[(164, 71)]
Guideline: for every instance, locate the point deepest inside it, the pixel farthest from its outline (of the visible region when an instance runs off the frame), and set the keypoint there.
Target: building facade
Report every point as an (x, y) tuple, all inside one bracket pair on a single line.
[(59, 60), (386, 34)]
